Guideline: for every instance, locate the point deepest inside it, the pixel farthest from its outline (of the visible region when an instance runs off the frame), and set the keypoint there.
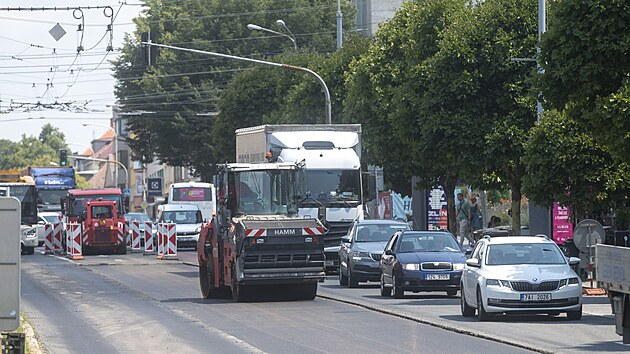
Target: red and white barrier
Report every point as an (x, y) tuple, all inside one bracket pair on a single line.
[(167, 241), (48, 238), (148, 238), (135, 236), (126, 229), (170, 245), (160, 240), (57, 236), (75, 241)]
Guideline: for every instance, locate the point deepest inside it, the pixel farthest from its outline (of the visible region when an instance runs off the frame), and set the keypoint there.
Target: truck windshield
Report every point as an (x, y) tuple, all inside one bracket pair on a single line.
[(267, 192), (329, 186), (78, 204), (50, 196)]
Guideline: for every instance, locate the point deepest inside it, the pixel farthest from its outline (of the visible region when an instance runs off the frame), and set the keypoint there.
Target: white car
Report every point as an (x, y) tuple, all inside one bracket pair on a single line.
[(520, 274), (43, 218), (28, 239)]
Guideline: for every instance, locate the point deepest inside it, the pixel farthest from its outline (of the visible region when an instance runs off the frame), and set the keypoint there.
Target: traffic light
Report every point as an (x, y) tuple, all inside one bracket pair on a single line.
[(63, 157)]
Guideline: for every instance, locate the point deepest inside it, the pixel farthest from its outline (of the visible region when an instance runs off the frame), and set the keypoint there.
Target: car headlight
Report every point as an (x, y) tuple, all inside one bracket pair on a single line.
[(198, 230), (411, 266), (458, 266), (357, 255), (30, 232), (570, 281), (496, 282)]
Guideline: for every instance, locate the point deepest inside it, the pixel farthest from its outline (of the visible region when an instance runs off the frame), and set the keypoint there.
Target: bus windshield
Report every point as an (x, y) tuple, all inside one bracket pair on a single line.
[(27, 195)]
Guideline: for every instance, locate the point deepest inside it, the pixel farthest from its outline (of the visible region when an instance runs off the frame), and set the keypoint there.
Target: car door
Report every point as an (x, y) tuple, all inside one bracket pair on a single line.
[(471, 274), (344, 252), (387, 261)]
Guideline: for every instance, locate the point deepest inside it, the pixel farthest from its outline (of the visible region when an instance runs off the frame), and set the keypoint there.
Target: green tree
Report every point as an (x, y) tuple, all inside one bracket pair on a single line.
[(182, 89), (385, 86), (565, 163), (586, 58)]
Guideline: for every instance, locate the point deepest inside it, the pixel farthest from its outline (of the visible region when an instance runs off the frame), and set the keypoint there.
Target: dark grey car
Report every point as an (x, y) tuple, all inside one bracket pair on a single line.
[(361, 250)]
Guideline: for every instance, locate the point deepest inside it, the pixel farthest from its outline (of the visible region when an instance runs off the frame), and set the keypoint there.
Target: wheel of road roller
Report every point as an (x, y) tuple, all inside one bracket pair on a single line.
[(237, 289), (206, 279)]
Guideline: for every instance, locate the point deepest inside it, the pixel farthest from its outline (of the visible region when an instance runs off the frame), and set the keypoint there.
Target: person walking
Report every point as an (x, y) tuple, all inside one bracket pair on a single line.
[(463, 218), (475, 220)]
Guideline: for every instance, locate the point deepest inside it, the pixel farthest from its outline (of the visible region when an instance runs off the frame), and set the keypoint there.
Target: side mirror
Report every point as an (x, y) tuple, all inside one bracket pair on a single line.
[(390, 253), (468, 252), (40, 223), (83, 215), (574, 261), (345, 239), (473, 262)]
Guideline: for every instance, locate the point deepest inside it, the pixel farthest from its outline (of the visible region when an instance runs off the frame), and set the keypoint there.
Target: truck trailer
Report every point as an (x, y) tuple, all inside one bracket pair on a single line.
[(332, 155), (613, 274)]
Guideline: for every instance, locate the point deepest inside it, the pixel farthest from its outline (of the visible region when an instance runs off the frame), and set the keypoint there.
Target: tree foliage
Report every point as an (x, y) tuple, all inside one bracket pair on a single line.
[(566, 164), (182, 89), (586, 58), (32, 150)]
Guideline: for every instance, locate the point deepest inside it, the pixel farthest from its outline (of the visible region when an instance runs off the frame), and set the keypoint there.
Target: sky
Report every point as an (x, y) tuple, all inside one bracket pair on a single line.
[(34, 67)]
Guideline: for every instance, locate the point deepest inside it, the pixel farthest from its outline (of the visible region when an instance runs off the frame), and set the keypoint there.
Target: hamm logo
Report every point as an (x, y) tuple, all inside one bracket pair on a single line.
[(284, 232)]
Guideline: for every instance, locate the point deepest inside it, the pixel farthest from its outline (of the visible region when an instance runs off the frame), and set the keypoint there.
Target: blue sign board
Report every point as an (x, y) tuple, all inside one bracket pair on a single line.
[(154, 187)]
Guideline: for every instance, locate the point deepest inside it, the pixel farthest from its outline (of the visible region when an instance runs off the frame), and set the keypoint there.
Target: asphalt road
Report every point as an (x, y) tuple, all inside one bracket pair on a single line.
[(595, 332), (136, 304)]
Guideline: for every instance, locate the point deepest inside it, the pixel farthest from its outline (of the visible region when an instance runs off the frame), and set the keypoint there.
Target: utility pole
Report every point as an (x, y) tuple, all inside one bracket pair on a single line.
[(339, 25)]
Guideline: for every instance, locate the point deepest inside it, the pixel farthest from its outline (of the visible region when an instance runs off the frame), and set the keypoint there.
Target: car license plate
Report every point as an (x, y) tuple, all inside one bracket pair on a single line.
[(437, 277), (535, 297), (328, 263)]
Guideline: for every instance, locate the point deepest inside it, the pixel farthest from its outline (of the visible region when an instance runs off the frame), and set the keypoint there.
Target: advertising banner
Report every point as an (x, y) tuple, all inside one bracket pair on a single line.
[(437, 210), (562, 227)]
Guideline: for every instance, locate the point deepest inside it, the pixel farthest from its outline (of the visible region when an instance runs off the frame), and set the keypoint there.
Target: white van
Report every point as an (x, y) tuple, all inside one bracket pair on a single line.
[(187, 218)]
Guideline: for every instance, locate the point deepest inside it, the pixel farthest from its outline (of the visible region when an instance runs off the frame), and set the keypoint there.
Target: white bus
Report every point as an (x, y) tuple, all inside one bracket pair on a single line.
[(198, 193)]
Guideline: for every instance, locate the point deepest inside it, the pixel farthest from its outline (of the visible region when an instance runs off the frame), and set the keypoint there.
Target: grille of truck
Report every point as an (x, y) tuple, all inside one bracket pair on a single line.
[(102, 236), (283, 260), (335, 230)]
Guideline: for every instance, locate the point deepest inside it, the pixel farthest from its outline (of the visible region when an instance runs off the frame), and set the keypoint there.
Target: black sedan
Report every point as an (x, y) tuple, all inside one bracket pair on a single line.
[(421, 261)]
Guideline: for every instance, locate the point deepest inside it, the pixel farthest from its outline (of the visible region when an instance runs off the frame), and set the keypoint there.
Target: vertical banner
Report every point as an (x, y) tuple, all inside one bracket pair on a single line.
[(437, 210), (385, 205), (562, 227)]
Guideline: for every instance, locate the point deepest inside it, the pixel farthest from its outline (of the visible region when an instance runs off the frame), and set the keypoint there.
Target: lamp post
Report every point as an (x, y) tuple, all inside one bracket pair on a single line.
[(84, 145), (103, 160), (115, 148), (278, 65), (281, 24)]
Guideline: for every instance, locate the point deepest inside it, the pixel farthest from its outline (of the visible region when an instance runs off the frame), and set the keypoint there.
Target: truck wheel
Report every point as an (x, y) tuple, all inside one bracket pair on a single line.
[(206, 280), (308, 291), (237, 288)]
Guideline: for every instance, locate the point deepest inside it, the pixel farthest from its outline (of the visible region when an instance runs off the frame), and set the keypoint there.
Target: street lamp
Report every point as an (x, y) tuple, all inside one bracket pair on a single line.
[(115, 147), (84, 145), (103, 160), (281, 24)]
